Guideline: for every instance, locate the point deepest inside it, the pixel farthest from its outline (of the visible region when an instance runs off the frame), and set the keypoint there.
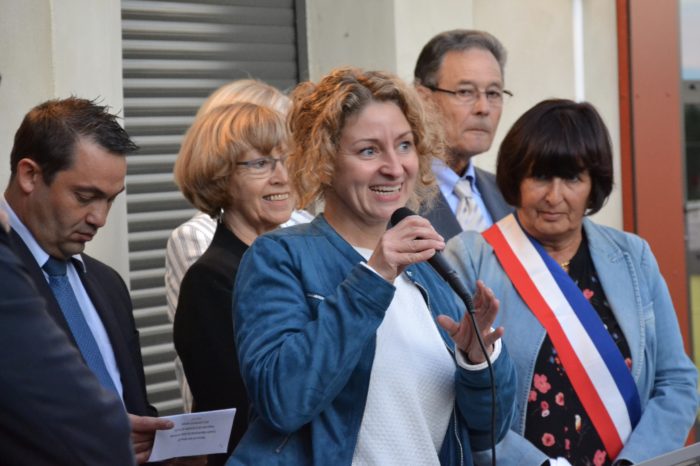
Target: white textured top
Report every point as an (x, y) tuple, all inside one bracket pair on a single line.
[(411, 388), (185, 245)]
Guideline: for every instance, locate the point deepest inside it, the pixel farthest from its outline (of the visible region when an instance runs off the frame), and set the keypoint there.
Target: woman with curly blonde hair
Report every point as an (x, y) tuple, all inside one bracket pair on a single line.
[(319, 113), (335, 320)]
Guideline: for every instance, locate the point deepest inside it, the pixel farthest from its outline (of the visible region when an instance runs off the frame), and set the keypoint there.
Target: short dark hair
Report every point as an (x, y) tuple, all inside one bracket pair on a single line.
[(49, 132), (430, 58), (557, 138)]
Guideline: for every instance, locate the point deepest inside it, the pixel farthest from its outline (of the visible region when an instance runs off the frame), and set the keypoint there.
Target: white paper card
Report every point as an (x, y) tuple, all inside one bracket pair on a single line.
[(194, 434)]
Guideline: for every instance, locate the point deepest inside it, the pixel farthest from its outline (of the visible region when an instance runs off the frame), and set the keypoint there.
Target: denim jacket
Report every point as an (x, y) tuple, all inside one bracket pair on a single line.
[(305, 319), (665, 377)]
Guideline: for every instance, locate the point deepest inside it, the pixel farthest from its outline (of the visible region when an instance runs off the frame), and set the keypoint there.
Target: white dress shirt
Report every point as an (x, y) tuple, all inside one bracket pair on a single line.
[(91, 316), (447, 179)]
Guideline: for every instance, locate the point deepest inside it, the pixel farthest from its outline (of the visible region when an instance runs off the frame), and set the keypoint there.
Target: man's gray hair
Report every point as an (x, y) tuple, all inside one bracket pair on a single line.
[(430, 58)]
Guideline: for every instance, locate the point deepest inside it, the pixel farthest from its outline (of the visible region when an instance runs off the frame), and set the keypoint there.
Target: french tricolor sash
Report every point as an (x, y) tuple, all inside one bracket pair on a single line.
[(592, 361)]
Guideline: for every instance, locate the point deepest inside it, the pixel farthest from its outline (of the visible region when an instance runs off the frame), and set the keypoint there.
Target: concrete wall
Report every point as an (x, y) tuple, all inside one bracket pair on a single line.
[(538, 35), (358, 33), (53, 49), (418, 21), (381, 34)]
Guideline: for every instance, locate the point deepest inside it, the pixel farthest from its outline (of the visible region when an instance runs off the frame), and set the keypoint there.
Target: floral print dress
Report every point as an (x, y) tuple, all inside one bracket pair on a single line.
[(555, 421)]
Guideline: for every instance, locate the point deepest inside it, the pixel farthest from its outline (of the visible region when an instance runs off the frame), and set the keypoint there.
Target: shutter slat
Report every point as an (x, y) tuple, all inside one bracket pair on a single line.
[(150, 312), (201, 50), (160, 216), (207, 32), (245, 14)]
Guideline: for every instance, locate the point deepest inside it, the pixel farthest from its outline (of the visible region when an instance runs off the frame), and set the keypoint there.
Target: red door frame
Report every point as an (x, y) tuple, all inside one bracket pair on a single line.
[(651, 135)]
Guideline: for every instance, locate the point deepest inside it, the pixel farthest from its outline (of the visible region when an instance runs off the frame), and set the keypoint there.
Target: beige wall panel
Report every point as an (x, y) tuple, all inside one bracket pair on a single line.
[(26, 66), (358, 33), (417, 21), (538, 35), (54, 49), (601, 78)]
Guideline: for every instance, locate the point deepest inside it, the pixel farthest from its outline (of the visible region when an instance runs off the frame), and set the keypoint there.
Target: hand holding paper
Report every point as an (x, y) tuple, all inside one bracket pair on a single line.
[(194, 434), (143, 430)]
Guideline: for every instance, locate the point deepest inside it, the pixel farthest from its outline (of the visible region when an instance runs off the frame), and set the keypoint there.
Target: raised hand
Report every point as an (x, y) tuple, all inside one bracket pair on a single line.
[(462, 333), (412, 240)]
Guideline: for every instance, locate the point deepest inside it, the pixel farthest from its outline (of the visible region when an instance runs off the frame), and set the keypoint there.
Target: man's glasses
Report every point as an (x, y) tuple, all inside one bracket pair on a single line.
[(262, 167), (469, 95)]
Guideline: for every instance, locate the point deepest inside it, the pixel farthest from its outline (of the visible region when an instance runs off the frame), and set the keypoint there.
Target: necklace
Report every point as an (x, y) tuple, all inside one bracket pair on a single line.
[(565, 265)]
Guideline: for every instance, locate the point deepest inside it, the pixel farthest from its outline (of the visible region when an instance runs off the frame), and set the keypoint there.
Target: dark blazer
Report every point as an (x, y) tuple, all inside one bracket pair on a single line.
[(444, 220), (52, 409), (110, 296), (203, 333)]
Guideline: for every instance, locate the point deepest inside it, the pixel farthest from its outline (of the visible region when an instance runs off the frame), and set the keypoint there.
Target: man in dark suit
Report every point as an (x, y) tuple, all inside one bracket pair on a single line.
[(68, 165), (460, 74), (54, 410)]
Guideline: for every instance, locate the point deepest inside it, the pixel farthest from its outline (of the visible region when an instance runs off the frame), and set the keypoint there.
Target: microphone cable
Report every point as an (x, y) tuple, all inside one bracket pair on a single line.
[(470, 309)]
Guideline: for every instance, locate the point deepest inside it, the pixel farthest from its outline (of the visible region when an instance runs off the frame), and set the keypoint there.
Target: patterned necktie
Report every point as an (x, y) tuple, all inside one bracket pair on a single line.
[(60, 286), (468, 213)]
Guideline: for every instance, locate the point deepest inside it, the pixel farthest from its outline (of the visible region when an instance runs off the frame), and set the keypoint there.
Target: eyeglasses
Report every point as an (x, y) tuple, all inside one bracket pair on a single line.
[(262, 167), (469, 95)]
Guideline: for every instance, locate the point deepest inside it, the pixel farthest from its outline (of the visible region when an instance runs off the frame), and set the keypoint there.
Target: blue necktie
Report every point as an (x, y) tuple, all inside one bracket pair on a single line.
[(58, 281)]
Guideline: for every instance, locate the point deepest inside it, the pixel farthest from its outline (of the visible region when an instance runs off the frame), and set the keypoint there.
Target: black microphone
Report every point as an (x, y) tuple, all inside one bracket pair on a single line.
[(440, 264)]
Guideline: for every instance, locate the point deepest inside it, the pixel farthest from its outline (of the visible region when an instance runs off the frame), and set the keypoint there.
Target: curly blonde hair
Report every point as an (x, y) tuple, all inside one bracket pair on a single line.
[(318, 116), (213, 145)]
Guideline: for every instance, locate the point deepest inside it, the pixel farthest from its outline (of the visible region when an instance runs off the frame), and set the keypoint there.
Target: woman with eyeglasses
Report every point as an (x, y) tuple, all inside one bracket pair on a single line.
[(189, 240), (231, 166)]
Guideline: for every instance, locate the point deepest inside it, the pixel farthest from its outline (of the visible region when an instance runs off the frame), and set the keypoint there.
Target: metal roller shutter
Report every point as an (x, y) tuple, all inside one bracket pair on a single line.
[(175, 53)]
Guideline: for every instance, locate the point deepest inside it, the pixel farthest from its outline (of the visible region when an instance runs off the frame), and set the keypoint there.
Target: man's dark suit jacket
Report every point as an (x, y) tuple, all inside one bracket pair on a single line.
[(110, 296), (444, 220), (52, 409)]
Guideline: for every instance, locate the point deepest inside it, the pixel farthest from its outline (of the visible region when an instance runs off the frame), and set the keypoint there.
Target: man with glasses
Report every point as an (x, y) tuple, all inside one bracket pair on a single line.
[(460, 73)]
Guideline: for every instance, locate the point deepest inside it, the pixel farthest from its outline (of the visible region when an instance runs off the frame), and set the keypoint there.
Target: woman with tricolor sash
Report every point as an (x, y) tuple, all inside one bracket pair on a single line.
[(603, 377)]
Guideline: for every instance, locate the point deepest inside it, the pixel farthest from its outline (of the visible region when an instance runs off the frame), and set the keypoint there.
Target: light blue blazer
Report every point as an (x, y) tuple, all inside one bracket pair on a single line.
[(666, 378)]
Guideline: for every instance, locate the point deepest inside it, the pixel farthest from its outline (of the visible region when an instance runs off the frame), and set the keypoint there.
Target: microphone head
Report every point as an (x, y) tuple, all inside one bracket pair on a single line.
[(400, 214)]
